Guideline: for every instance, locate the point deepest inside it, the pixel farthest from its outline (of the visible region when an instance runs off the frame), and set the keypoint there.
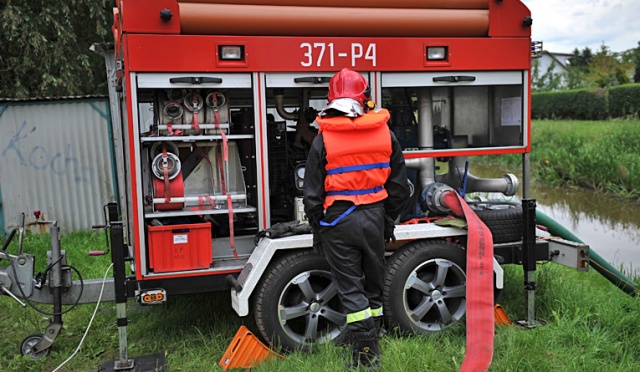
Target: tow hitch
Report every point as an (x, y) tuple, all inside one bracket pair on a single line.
[(18, 278)]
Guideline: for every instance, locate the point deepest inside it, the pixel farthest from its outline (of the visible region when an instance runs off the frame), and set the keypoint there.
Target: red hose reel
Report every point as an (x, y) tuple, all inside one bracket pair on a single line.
[(167, 180)]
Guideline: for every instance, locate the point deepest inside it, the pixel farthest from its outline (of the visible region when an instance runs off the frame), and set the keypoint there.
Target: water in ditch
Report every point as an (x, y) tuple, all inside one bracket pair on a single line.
[(608, 224)]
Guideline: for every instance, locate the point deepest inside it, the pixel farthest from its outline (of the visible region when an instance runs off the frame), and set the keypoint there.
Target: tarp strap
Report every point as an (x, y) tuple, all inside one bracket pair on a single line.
[(343, 215), (223, 167), (355, 168), (372, 190), (165, 173), (194, 122)]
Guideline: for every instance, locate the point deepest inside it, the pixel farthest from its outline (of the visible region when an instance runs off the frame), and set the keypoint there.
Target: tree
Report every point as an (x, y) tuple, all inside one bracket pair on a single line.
[(581, 59), (606, 70), (547, 81), (578, 68), (46, 47)]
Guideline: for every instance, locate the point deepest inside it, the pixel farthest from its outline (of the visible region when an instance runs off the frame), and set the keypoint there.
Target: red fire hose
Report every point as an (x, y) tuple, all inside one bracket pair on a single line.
[(480, 311)]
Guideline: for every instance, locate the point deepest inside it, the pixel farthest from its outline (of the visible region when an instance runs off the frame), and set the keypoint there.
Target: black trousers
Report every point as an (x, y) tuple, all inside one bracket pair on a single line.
[(354, 248)]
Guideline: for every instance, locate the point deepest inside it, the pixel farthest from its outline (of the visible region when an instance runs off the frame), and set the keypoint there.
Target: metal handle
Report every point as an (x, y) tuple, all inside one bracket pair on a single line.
[(313, 79), (12, 295), (196, 80), (21, 234), (453, 79), (6, 243)]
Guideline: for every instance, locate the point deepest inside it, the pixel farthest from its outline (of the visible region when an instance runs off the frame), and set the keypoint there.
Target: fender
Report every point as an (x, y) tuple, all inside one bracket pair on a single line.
[(250, 276)]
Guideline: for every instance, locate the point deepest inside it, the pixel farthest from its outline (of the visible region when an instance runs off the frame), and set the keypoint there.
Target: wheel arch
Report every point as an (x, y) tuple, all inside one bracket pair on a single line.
[(266, 251)]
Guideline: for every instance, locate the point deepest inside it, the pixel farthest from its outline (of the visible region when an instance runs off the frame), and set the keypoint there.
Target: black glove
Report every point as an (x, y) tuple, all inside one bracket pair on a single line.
[(283, 229), (389, 226)]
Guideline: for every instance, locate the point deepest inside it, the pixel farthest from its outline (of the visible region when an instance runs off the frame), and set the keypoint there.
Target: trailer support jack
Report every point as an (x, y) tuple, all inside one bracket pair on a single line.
[(119, 252), (529, 261)]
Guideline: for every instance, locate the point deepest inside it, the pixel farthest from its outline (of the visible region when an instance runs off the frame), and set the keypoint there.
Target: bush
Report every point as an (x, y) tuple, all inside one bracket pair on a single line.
[(581, 104), (624, 101)]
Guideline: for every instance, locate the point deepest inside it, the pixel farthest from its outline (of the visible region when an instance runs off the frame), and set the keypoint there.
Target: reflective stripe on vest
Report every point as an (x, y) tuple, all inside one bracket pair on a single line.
[(355, 168)]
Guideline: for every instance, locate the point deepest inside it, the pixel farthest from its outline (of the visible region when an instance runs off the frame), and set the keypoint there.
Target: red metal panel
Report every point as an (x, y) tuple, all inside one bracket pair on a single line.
[(175, 53), (263, 161), (506, 19), (449, 153), (189, 274), (143, 16)]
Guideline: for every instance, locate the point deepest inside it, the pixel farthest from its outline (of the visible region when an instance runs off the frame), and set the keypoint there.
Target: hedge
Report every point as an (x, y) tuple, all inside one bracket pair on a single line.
[(624, 101), (581, 104), (587, 104)]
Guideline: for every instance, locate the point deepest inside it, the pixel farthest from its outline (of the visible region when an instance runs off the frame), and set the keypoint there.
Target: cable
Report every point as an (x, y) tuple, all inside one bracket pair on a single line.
[(15, 277), (104, 280)]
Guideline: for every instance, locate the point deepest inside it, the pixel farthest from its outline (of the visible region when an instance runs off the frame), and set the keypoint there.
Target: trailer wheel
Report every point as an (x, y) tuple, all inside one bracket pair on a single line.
[(504, 220), (26, 348), (296, 304), (425, 287)]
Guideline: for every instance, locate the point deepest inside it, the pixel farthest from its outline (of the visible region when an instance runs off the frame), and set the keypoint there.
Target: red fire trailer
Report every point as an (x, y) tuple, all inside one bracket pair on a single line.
[(213, 104)]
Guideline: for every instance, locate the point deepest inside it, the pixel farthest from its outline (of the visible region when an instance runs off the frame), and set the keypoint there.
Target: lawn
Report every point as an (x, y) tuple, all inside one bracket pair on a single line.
[(587, 325)]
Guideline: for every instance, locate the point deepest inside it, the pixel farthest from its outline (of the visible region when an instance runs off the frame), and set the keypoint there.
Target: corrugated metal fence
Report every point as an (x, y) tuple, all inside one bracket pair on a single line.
[(56, 157)]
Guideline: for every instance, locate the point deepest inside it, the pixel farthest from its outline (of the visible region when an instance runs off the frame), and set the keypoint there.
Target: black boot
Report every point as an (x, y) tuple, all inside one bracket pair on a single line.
[(366, 350), (379, 327)]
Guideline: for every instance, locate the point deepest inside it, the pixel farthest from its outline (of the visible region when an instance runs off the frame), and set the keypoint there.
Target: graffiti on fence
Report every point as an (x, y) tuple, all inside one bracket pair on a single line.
[(42, 158)]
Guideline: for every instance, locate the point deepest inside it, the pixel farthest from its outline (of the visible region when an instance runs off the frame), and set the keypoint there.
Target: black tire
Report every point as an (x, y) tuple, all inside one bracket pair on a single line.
[(425, 287), (26, 347), (504, 220), (296, 304)]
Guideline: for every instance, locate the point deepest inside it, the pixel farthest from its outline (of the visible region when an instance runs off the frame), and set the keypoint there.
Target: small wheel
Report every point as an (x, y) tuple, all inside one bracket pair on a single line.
[(26, 348), (296, 305), (504, 220), (425, 287)]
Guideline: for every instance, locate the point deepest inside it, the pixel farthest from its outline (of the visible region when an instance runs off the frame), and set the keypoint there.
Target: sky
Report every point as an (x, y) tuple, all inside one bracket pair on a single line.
[(563, 26)]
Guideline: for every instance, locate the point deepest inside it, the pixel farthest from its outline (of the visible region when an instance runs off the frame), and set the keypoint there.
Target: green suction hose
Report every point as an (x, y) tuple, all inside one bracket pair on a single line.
[(597, 262)]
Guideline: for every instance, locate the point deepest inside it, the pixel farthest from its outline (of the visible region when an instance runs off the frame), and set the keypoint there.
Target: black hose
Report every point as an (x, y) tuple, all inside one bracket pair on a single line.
[(6, 243), (15, 277)]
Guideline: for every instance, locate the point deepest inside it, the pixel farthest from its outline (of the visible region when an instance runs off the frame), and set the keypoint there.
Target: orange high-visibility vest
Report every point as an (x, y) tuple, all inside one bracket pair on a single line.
[(358, 154)]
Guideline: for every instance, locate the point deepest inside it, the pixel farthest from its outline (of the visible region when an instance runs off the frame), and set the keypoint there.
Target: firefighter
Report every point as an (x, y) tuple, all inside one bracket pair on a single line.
[(354, 188)]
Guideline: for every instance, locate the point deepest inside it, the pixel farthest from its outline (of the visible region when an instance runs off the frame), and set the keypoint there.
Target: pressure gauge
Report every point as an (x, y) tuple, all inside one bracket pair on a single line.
[(300, 172), (299, 176)]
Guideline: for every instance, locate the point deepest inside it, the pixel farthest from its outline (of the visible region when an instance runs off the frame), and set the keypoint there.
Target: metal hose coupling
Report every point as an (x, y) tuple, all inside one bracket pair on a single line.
[(512, 184), (176, 94), (171, 162), (172, 110), (193, 101), (432, 198), (220, 99)]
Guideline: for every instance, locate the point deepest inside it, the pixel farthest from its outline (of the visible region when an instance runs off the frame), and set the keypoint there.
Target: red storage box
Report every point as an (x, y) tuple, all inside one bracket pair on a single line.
[(180, 247)]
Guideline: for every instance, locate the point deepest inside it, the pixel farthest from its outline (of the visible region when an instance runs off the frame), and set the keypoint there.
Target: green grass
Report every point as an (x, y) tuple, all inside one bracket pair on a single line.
[(589, 325), (598, 155)]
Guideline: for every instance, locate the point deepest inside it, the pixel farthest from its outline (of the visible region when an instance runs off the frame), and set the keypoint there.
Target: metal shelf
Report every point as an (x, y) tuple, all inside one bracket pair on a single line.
[(206, 137), (181, 213)]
